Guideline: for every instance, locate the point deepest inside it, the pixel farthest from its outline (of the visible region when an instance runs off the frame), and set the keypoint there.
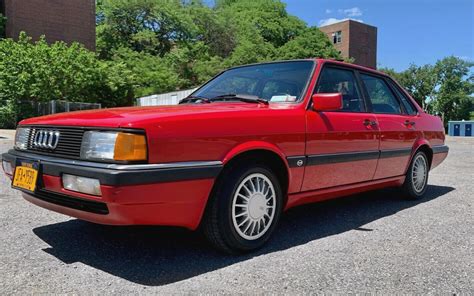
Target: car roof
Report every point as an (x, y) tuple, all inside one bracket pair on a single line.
[(319, 60), (342, 63)]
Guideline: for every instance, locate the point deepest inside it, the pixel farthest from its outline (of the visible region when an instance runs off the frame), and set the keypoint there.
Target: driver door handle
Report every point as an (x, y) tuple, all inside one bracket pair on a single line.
[(368, 122)]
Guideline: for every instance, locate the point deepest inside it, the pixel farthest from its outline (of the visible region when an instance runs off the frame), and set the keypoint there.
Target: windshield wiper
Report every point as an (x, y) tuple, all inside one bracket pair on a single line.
[(194, 99), (240, 97)]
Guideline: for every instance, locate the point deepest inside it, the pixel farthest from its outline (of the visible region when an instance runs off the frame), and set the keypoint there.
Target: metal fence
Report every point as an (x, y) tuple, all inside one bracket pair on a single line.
[(52, 107)]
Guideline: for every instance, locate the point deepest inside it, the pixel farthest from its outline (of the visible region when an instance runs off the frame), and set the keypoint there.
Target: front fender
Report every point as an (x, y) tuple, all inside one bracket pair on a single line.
[(254, 145), (295, 174)]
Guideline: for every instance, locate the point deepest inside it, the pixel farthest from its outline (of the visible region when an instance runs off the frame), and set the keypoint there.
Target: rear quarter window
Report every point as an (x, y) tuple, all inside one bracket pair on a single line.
[(407, 103)]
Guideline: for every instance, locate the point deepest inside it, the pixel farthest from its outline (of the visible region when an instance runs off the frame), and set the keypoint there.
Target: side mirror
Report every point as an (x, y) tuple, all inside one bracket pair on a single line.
[(327, 102)]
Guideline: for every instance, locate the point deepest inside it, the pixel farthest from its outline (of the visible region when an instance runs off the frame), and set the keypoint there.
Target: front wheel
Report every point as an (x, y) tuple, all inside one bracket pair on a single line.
[(244, 209), (416, 179)]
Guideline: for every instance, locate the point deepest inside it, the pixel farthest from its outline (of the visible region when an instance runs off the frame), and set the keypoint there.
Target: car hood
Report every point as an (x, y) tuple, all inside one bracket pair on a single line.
[(139, 116)]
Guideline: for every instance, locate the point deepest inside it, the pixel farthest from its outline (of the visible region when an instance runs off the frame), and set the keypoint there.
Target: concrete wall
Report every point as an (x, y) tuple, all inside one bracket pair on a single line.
[(66, 20)]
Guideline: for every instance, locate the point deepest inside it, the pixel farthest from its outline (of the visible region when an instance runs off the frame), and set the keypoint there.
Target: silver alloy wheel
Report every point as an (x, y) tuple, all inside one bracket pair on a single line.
[(419, 173), (253, 206)]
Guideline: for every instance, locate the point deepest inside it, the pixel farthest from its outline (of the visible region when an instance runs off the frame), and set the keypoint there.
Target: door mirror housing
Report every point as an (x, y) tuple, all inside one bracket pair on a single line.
[(327, 101)]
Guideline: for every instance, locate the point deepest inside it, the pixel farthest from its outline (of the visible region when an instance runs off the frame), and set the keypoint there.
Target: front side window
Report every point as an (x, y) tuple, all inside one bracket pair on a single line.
[(382, 98), (334, 80), (274, 82)]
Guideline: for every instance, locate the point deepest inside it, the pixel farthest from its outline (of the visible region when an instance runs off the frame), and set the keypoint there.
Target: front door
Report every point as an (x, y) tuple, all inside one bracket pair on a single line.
[(397, 126), (457, 130), (342, 146)]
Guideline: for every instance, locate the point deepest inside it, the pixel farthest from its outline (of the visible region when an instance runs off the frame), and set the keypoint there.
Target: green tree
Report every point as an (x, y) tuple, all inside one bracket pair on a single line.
[(32, 72), (446, 88), (215, 31), (194, 41), (454, 99), (3, 22), (150, 26), (266, 18), (151, 74), (421, 83), (311, 43)]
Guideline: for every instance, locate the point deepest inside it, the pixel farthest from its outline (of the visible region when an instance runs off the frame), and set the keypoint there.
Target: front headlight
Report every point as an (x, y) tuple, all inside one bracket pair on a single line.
[(21, 138), (116, 146)]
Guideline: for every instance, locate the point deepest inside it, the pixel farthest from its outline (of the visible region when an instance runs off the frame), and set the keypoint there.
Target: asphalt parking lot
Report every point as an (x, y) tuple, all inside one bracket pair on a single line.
[(369, 243)]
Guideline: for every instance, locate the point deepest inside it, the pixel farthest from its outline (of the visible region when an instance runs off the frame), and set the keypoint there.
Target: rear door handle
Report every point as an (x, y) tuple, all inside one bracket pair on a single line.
[(368, 122), (408, 123)]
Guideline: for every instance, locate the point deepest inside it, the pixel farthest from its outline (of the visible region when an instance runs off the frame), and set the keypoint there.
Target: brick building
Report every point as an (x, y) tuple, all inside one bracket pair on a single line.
[(66, 20), (354, 39)]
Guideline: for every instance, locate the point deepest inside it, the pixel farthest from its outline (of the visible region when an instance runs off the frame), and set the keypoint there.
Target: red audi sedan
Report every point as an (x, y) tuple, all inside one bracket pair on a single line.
[(249, 144)]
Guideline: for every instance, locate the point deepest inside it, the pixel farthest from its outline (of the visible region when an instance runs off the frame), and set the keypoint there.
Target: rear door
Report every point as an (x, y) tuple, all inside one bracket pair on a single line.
[(397, 124), (342, 146)]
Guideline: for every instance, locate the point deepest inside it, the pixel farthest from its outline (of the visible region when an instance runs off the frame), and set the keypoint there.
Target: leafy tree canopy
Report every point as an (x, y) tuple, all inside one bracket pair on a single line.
[(445, 88), (39, 72), (178, 44)]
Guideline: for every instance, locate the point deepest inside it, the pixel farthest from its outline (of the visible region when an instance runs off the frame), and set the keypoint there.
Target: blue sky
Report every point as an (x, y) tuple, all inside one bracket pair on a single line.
[(409, 31)]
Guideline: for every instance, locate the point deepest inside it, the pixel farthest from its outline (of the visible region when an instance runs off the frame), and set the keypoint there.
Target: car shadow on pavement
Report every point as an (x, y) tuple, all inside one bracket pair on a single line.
[(157, 255)]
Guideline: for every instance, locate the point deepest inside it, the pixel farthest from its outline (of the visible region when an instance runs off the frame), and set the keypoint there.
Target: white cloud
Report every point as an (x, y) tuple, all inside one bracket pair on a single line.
[(331, 20), (328, 11), (350, 12)]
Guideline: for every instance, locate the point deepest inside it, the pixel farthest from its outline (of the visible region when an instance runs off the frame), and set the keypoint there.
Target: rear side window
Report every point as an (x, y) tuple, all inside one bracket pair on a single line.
[(411, 110), (334, 80), (382, 98)]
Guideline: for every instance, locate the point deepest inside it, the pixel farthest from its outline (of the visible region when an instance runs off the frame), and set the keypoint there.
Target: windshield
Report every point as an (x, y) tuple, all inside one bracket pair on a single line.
[(273, 82)]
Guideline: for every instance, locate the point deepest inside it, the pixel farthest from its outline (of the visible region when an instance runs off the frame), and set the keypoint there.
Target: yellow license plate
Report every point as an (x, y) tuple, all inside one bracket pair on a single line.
[(25, 177)]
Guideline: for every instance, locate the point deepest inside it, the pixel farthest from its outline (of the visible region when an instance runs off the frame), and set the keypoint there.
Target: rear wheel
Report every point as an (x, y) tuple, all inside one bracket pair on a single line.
[(244, 209), (416, 179)]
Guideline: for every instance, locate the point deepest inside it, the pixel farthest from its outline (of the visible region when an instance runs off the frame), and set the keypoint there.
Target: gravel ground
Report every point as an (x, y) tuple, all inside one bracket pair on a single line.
[(369, 243)]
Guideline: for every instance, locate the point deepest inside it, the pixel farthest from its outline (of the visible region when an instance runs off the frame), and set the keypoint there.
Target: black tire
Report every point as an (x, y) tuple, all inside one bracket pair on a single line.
[(410, 190), (218, 225)]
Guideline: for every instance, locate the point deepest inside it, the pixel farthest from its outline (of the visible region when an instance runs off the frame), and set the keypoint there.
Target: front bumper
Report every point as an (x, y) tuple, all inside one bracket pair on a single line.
[(150, 194)]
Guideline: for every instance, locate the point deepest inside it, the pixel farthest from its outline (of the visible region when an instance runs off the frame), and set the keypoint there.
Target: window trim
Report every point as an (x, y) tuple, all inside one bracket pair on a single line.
[(384, 79), (357, 83), (337, 37)]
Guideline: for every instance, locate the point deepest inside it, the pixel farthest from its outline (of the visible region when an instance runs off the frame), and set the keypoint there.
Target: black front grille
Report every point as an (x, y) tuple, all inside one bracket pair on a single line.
[(72, 202), (69, 145)]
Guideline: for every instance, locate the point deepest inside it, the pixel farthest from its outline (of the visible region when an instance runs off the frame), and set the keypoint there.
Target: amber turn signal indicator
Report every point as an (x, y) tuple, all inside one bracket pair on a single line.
[(130, 147)]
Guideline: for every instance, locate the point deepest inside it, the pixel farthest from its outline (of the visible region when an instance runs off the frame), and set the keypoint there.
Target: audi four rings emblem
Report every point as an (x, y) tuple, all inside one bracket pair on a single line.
[(46, 139)]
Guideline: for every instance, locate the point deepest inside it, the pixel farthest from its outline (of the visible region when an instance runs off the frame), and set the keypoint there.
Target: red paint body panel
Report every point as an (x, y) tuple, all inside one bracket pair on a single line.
[(339, 132), (222, 131), (335, 192), (175, 203), (394, 135)]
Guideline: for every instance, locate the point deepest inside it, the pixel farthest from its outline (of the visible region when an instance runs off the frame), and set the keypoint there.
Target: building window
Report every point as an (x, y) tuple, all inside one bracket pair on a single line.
[(337, 37)]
